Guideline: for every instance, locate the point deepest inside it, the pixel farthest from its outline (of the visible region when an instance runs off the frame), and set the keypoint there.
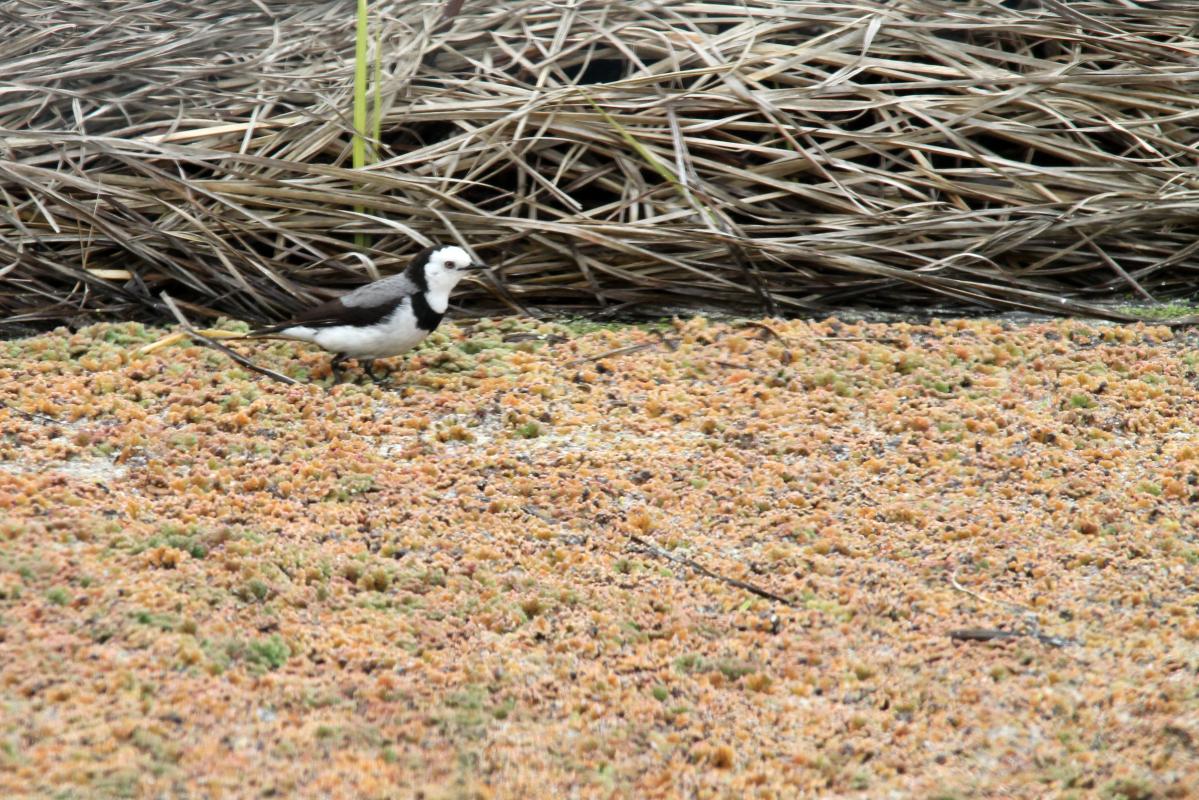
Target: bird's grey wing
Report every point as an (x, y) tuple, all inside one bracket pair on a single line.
[(387, 290)]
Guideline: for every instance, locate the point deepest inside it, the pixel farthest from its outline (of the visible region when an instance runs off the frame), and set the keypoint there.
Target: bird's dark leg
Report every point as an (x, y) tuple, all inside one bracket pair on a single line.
[(335, 366), (385, 377), (368, 366)]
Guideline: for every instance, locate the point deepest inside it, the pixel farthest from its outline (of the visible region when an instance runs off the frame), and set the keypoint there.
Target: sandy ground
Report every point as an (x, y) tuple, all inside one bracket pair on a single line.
[(760, 559)]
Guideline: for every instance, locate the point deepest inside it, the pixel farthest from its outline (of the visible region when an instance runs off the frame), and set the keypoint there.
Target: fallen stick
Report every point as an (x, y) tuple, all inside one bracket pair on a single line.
[(179, 336), (983, 634), (672, 344), (620, 351), (1032, 630), (701, 569), (1032, 627), (32, 416), (233, 354)]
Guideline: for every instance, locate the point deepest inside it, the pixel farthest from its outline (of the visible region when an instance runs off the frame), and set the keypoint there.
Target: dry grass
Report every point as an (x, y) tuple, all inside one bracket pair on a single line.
[(772, 155)]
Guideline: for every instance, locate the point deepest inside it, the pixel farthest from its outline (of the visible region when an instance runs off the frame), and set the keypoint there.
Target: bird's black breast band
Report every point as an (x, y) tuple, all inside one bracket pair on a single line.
[(426, 318)]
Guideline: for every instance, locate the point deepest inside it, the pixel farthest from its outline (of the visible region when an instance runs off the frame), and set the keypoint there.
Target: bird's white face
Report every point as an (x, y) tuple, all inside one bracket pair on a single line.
[(446, 266)]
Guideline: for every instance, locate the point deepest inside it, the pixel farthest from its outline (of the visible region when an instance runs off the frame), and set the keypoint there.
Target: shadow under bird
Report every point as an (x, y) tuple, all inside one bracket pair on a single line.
[(384, 318)]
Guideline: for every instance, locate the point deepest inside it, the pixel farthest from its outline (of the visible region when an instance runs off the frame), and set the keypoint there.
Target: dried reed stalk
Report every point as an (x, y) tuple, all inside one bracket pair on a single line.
[(753, 155)]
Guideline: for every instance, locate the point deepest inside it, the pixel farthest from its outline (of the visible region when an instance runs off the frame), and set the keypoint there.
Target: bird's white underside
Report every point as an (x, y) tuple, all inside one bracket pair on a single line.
[(397, 333)]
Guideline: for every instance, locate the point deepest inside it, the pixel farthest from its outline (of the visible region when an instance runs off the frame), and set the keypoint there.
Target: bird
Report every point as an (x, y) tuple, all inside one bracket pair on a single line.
[(381, 319)]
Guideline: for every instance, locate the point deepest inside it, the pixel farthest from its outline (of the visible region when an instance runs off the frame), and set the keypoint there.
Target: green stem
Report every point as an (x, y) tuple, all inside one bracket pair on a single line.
[(360, 110)]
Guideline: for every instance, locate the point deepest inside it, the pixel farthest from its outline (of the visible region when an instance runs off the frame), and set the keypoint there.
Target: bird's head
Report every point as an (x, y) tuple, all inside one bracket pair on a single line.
[(440, 268)]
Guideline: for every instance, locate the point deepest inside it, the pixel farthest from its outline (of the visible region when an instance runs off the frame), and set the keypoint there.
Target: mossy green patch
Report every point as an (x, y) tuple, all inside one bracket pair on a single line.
[(1157, 312), (58, 596)]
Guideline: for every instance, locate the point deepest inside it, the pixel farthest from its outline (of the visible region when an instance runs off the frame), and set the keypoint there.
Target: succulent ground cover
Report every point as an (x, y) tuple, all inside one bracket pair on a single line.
[(697, 559)]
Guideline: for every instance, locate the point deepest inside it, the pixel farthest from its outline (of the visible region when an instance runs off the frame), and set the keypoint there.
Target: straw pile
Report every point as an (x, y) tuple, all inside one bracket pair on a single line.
[(759, 155)]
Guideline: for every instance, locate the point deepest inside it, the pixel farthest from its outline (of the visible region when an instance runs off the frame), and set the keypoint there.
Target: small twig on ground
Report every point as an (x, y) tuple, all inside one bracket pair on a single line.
[(534, 511), (1032, 627), (772, 332), (653, 549), (215, 345), (953, 579), (179, 336), (30, 415), (620, 351), (883, 339), (751, 323), (547, 338), (1034, 630), (983, 634)]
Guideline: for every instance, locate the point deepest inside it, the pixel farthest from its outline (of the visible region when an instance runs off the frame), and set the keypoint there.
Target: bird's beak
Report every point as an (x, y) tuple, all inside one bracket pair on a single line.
[(477, 267)]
